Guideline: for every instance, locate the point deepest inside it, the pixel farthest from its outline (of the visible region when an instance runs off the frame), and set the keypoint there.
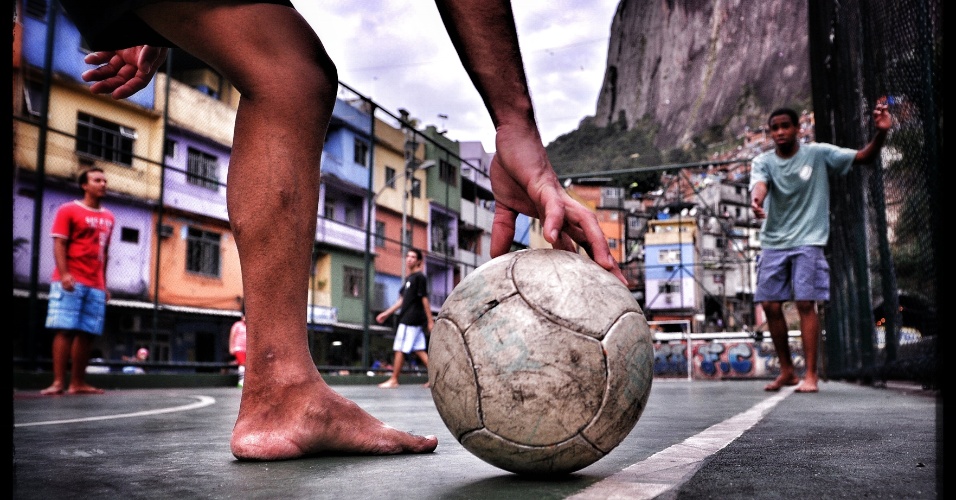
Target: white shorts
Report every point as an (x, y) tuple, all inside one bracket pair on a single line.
[(409, 339)]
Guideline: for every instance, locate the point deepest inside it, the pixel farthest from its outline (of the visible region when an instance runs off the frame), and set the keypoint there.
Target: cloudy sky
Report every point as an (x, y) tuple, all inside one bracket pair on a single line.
[(398, 53)]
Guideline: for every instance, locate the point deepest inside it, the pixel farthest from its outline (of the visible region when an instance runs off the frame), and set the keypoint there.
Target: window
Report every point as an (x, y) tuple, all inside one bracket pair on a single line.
[(129, 235), (328, 211), (447, 173), (668, 287), (202, 169), (361, 152), (36, 8), (354, 281), (379, 233), (104, 140), (202, 251), (390, 177), (33, 97), (669, 256), (612, 243), (353, 215), (169, 148)]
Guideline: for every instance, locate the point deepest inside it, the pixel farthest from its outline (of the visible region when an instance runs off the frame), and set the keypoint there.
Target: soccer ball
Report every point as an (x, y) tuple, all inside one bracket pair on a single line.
[(540, 362)]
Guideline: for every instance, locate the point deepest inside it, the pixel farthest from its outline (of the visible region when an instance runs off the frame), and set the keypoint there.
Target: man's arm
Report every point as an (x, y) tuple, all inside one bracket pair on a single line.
[(428, 313), (60, 259), (883, 121), (757, 197), (522, 178), (106, 260), (382, 316)]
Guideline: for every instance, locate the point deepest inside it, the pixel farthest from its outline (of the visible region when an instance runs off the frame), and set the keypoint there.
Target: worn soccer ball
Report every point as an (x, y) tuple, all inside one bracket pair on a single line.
[(540, 362)]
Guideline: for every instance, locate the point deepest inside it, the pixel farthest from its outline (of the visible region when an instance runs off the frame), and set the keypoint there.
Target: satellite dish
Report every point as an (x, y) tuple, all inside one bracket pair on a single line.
[(683, 213), (567, 183)]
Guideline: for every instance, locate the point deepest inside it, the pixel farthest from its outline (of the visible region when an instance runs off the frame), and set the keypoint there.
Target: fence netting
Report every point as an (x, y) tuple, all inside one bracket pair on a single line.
[(882, 319)]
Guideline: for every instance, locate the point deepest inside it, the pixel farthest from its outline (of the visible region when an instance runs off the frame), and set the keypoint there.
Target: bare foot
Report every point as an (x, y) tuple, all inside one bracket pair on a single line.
[(54, 390), (388, 384), (84, 389), (427, 385), (781, 381), (807, 386), (295, 420)]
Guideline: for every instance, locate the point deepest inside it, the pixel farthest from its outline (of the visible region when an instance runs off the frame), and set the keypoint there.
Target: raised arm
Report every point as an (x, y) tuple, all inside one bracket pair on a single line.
[(522, 177), (883, 121)]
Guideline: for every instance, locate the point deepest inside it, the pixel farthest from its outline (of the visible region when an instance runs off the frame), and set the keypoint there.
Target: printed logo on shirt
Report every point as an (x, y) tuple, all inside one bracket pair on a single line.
[(805, 172)]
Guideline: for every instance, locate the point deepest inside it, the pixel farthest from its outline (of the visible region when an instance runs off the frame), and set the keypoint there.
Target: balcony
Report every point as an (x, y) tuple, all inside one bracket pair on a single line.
[(477, 216), (341, 235)]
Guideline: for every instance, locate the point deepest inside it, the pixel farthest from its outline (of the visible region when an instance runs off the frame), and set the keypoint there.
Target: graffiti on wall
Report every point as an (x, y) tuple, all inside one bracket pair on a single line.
[(720, 359)]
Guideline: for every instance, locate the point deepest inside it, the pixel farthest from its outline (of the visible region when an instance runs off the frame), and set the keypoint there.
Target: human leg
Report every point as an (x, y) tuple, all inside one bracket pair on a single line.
[(288, 85), (80, 356), (396, 371), (810, 336), (62, 346), (423, 356), (777, 324)]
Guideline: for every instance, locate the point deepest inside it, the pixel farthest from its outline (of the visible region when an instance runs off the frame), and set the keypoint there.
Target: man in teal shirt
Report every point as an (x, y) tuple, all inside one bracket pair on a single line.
[(790, 189)]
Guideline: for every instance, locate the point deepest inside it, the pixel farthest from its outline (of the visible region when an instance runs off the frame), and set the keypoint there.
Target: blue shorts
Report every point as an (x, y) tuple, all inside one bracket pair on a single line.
[(409, 339), (800, 273), (82, 309)]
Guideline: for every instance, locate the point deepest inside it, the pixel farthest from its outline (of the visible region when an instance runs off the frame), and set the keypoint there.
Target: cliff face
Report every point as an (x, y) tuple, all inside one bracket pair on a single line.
[(691, 66)]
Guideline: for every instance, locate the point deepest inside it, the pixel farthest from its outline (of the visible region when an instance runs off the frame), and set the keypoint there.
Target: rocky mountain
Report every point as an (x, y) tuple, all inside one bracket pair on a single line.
[(695, 72)]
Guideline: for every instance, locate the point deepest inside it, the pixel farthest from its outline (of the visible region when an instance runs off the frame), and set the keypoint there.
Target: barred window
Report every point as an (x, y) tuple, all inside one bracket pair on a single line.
[(104, 139), (354, 281), (390, 177), (202, 251), (36, 8), (202, 169), (361, 152), (379, 233), (447, 173), (668, 287)]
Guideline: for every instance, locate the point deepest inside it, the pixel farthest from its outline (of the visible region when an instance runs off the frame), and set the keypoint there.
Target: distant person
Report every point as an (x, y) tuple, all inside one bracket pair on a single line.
[(77, 306), (791, 190), (414, 317), (288, 86), (237, 346), (142, 355)]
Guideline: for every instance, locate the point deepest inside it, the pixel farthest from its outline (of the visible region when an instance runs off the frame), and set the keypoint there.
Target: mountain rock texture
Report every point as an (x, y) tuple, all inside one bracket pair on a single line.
[(704, 66)]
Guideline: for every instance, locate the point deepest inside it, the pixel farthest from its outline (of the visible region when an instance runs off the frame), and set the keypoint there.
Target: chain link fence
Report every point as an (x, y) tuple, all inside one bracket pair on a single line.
[(885, 230)]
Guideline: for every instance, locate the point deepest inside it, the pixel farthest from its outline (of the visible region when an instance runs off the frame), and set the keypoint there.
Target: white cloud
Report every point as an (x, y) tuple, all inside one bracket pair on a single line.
[(398, 53)]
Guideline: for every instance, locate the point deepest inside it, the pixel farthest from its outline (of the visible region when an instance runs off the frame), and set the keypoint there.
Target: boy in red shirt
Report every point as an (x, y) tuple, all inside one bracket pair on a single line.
[(81, 239)]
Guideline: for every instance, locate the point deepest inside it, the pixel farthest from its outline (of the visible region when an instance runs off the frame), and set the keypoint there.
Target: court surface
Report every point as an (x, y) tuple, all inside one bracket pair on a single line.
[(696, 439)]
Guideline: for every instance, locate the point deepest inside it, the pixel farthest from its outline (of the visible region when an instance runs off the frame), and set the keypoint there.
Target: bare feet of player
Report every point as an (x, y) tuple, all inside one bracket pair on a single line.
[(388, 384), (84, 389), (278, 422), (781, 381), (808, 385), (54, 390)]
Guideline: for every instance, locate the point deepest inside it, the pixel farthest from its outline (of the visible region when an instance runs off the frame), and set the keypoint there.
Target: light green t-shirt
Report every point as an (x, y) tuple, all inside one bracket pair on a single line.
[(798, 193)]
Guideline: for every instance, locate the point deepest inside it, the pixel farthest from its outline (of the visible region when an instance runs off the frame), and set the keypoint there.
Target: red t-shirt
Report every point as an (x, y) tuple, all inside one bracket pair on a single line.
[(87, 233)]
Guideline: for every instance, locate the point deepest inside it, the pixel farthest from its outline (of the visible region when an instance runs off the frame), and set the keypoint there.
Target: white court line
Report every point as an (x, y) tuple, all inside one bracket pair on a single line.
[(203, 401), (673, 466)]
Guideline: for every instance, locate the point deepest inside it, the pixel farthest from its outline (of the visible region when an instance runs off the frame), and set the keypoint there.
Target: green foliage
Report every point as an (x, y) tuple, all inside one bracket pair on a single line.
[(593, 149)]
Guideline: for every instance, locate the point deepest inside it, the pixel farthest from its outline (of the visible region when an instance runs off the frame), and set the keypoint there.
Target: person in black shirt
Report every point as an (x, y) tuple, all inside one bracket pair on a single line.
[(415, 314)]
